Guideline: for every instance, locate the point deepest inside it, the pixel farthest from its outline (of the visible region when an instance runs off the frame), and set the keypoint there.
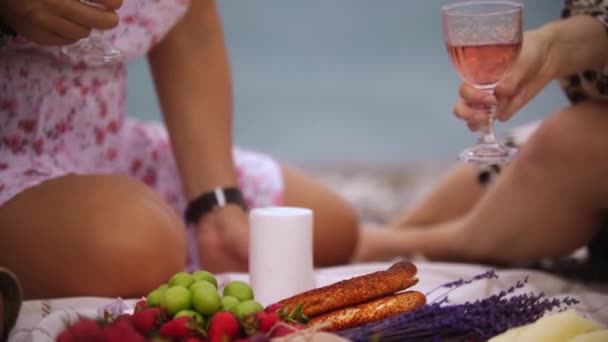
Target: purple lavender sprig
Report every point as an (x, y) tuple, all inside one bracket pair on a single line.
[(490, 274), (453, 285), (113, 309), (479, 320)]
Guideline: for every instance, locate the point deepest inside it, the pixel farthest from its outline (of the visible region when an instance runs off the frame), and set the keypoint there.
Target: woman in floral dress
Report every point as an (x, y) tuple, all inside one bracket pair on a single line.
[(90, 200)]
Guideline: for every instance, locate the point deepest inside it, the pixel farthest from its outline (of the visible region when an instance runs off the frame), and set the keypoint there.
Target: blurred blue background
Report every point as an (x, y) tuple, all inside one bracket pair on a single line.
[(321, 81)]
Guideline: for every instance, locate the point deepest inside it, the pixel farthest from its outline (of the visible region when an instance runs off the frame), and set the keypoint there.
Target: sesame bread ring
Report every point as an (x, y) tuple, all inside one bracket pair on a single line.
[(353, 291), (372, 311)]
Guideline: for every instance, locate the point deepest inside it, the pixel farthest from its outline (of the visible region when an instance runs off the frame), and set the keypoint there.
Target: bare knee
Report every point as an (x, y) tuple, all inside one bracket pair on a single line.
[(150, 244), (569, 149), (571, 136), (92, 235), (342, 221)]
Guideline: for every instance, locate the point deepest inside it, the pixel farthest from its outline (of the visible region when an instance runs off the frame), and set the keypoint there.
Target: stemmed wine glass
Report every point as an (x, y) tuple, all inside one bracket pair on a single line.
[(483, 39), (96, 49)]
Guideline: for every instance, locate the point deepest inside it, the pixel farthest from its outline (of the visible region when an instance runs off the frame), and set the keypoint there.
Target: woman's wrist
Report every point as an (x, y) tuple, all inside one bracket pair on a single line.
[(206, 173), (582, 34), (546, 37), (207, 202)]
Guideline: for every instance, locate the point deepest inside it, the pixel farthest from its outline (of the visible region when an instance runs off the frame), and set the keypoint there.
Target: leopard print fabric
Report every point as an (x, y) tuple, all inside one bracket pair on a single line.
[(589, 84)]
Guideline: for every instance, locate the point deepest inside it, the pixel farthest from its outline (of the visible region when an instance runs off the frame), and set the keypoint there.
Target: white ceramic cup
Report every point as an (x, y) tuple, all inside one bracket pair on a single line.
[(280, 252)]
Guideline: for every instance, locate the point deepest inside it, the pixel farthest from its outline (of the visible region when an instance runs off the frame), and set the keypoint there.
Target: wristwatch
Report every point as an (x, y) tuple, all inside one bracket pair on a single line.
[(208, 201)]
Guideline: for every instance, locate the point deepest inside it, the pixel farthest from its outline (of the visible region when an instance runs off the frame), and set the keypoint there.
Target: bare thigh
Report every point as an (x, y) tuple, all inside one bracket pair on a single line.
[(90, 235), (335, 222)]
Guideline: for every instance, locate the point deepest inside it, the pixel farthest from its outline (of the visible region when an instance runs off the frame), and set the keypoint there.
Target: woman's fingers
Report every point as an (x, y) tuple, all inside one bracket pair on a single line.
[(59, 22), (508, 106), (87, 15), (474, 125), (112, 5), (67, 30), (476, 96), (463, 110), (45, 37), (474, 116), (474, 105)]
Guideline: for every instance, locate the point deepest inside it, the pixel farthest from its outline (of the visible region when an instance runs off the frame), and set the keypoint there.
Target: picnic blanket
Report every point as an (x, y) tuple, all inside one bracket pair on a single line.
[(41, 320)]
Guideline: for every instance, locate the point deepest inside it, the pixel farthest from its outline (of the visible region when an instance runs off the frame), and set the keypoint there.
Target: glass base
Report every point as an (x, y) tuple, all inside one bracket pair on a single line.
[(97, 54), (487, 154)]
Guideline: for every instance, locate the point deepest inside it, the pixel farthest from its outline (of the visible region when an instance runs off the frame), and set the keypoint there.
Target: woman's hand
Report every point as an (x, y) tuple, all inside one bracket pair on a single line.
[(58, 22), (223, 240), (533, 70)]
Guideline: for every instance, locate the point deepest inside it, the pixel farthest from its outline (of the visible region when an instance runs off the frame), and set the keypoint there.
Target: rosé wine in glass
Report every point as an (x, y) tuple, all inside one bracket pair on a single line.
[(483, 39), (483, 65)]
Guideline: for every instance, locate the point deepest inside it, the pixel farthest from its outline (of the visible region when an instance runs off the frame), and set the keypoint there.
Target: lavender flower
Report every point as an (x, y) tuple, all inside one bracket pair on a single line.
[(114, 309), (491, 274), (479, 320)]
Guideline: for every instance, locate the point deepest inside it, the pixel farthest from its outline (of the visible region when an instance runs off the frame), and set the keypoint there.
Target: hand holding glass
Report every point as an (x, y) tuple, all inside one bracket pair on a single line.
[(96, 49), (483, 39)]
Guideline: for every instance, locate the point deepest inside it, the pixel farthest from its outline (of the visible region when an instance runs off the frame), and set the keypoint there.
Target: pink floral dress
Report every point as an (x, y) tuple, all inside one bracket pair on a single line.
[(59, 118)]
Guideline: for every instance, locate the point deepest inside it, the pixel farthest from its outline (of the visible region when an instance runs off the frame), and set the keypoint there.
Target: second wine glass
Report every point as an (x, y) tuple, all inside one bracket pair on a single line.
[(96, 49), (483, 39)]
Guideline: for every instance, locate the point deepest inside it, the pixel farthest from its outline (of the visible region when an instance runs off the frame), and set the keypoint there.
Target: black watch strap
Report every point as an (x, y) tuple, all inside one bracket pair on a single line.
[(217, 198)]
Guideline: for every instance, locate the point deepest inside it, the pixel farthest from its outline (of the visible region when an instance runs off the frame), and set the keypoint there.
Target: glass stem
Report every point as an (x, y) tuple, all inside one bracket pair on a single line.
[(96, 37), (487, 130)]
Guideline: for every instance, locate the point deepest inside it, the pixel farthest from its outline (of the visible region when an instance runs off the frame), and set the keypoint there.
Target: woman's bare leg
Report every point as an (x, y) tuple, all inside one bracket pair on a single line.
[(451, 198), (335, 222), (90, 235), (454, 194), (545, 204)]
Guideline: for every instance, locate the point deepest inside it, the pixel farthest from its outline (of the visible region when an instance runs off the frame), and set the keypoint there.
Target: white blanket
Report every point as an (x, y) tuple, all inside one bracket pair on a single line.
[(41, 320)]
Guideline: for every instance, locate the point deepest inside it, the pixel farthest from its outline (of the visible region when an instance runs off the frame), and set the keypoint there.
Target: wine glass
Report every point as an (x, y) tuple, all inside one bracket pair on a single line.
[(483, 39), (96, 49)]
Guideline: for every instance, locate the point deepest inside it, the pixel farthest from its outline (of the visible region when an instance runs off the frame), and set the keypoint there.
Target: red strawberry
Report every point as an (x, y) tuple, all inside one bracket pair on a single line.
[(273, 307), (120, 332), (265, 321), (177, 328), (66, 336), (85, 330), (140, 305), (124, 317), (223, 326), (146, 320)]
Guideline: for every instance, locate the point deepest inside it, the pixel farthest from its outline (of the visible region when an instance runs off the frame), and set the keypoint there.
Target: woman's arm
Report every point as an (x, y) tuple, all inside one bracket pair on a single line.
[(576, 44), (192, 79)]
